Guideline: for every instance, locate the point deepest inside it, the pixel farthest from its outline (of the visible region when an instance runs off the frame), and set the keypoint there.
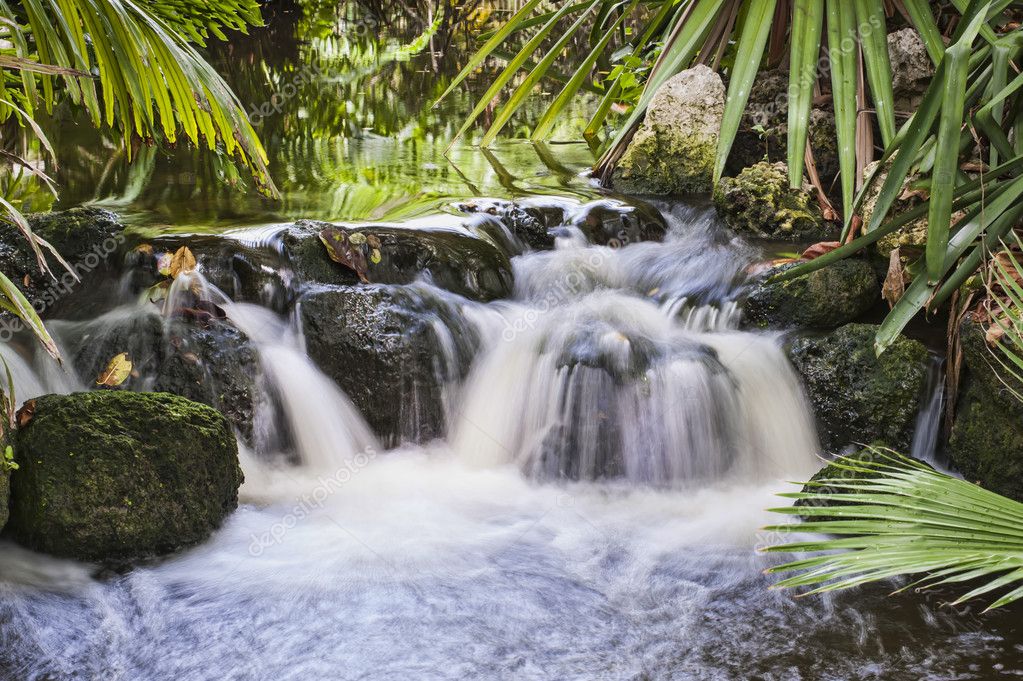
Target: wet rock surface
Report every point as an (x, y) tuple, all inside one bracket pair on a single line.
[(392, 350), (824, 299), (987, 437), (454, 259), (210, 362), (116, 477), (89, 240), (856, 396)]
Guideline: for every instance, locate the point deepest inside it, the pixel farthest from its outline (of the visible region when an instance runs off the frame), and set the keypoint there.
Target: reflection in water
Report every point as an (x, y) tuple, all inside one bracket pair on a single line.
[(347, 120)]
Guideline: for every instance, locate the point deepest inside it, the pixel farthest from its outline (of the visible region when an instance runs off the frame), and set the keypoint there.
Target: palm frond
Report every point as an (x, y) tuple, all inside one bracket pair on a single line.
[(890, 516), (141, 74)]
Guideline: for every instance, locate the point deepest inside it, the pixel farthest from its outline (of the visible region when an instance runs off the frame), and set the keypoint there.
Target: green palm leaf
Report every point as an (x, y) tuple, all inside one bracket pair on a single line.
[(891, 516)]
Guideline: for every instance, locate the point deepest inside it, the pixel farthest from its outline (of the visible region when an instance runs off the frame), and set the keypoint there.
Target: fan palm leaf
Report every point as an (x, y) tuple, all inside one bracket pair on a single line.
[(890, 516)]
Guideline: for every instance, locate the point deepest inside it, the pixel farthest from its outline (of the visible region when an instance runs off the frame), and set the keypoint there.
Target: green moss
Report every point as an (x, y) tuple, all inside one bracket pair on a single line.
[(857, 396), (987, 442), (824, 299), (759, 202), (987, 438), (664, 162), (116, 476)]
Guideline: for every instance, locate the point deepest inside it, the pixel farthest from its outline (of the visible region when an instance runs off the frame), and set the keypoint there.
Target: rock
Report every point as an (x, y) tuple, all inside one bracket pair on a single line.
[(246, 271), (86, 238), (536, 223), (116, 477), (912, 69), (759, 202), (987, 437), (763, 130), (912, 235), (856, 396), (455, 259), (211, 362), (674, 149), (824, 299), (392, 350)]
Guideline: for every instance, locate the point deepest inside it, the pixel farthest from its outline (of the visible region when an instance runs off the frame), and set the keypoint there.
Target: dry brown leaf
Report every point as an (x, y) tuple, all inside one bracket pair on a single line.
[(117, 372), (25, 414), (819, 249), (895, 283), (181, 262), (146, 249), (346, 250)]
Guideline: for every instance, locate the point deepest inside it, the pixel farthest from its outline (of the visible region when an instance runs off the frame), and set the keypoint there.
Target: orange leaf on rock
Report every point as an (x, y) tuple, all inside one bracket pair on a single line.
[(181, 262), (117, 372), (346, 249)]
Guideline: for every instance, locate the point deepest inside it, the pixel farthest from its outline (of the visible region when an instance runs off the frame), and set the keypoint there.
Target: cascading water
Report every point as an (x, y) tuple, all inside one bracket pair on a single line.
[(592, 513)]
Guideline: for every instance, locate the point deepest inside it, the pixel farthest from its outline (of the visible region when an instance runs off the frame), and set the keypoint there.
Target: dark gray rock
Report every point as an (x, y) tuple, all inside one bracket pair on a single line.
[(454, 259), (392, 350), (987, 437), (824, 299), (856, 396)]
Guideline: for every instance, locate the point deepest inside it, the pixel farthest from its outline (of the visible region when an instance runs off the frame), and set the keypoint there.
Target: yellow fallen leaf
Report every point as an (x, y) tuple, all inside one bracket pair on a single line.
[(117, 372), (182, 261)]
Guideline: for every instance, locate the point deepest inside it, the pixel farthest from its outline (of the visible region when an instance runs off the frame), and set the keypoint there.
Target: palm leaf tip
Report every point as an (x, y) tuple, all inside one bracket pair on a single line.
[(899, 517)]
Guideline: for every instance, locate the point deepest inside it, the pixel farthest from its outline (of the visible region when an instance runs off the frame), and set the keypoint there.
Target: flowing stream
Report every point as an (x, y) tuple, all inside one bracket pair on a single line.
[(591, 513)]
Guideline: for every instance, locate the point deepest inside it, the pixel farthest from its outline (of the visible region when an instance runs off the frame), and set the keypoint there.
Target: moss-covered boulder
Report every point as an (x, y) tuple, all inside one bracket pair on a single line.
[(393, 350), (824, 299), (856, 396), (115, 477), (759, 202), (987, 437), (453, 258), (911, 235), (673, 151), (87, 238)]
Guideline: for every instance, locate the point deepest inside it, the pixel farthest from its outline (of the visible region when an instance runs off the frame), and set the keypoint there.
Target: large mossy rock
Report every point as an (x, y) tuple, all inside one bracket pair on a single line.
[(759, 202), (824, 299), (115, 477), (987, 437), (392, 350), (673, 151), (89, 239), (454, 259), (856, 396)]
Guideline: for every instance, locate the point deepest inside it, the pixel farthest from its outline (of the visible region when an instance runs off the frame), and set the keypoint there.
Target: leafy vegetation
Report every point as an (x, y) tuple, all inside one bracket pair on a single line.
[(960, 148), (891, 516), (130, 67)]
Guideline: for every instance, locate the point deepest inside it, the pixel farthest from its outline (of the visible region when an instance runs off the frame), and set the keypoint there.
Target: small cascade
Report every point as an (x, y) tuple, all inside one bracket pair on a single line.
[(926, 434), (627, 364)]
